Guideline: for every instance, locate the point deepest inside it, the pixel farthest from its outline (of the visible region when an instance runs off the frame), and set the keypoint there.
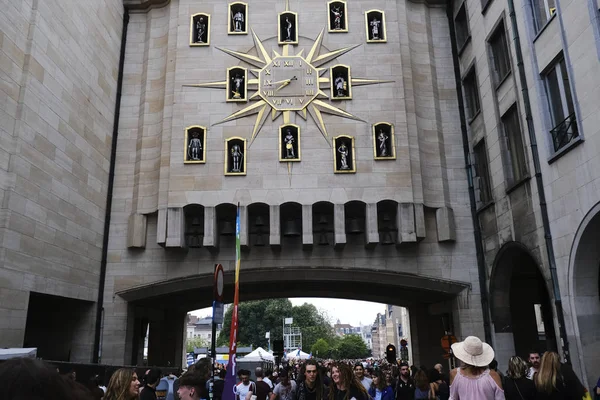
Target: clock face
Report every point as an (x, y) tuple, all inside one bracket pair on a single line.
[(288, 83)]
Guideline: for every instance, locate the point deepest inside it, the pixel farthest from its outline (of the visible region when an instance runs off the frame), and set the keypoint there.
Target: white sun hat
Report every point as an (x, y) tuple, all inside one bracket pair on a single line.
[(473, 352)]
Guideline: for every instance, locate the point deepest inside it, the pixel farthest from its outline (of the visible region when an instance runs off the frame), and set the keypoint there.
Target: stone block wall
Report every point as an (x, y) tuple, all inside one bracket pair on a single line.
[(427, 179), (59, 66)]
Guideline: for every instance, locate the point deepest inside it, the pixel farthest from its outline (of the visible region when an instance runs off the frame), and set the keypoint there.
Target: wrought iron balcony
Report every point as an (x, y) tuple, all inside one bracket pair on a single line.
[(564, 132)]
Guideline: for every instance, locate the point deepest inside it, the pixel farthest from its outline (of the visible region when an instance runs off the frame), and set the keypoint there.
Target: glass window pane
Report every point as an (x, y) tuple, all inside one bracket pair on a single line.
[(554, 97)]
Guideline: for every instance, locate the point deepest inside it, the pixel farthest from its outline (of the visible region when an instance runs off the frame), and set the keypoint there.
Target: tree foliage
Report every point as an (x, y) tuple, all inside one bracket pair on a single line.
[(320, 349), (350, 347), (192, 343), (258, 317)]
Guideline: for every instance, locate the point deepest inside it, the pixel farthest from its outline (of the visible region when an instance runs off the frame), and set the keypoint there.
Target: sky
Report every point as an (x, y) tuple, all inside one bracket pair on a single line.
[(353, 312)]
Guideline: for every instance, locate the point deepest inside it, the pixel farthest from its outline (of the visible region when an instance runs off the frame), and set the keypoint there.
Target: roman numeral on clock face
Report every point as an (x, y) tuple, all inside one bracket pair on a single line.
[(268, 82)]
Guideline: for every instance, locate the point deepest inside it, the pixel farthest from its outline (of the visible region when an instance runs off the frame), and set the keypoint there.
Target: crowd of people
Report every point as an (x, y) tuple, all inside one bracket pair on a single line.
[(541, 378)]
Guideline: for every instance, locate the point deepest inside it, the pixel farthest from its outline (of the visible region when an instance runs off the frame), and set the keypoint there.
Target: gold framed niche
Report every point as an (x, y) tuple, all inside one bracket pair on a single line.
[(285, 20), (200, 29), (344, 158), (237, 91), (340, 89), (235, 147), (194, 146), (238, 18), (289, 143), (384, 142), (375, 26), (337, 16)]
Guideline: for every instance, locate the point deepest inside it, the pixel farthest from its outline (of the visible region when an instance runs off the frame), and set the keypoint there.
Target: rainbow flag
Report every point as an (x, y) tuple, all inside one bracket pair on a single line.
[(231, 378)]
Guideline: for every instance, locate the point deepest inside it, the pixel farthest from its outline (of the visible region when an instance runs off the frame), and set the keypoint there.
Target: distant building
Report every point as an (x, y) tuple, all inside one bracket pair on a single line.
[(379, 337), (346, 329), (200, 328)]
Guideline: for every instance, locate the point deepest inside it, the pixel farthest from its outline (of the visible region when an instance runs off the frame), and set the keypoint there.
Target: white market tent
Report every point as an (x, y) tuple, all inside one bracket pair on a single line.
[(259, 354), (294, 354)]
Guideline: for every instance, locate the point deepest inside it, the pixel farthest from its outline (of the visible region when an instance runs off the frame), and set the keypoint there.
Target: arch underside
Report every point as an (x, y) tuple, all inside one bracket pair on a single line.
[(193, 292)]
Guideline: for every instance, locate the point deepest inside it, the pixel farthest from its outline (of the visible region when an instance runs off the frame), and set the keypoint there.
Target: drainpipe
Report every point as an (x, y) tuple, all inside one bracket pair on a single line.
[(468, 166), (109, 195), (540, 185)]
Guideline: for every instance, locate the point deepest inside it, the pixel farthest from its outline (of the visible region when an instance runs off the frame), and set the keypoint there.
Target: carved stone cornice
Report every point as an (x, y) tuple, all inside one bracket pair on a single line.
[(141, 6)]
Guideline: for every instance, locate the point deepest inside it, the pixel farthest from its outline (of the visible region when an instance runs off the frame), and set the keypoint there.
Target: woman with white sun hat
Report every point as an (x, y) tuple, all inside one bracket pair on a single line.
[(474, 380)]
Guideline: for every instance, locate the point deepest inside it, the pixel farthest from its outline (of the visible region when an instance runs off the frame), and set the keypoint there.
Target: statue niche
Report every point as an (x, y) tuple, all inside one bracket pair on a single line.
[(289, 143), (383, 141), (195, 145), (375, 26), (200, 29), (288, 28), (338, 17), (235, 156), (238, 18), (343, 155), (237, 84)]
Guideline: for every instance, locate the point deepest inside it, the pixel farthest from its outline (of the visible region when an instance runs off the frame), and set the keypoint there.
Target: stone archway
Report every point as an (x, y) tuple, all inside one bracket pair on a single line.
[(584, 290), (520, 303)]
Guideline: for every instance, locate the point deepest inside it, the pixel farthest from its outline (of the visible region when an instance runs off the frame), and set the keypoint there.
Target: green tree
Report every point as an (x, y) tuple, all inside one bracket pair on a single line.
[(258, 317), (351, 346), (193, 343), (320, 349)]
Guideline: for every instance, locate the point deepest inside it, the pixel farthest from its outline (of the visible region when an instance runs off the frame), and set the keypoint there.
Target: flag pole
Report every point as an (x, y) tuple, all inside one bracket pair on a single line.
[(230, 380)]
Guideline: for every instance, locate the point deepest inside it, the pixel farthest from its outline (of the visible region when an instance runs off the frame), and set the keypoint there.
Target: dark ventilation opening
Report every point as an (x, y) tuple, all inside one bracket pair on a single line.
[(61, 328)]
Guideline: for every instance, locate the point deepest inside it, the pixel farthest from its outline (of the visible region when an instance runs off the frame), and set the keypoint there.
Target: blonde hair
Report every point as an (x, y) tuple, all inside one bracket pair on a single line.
[(549, 372), (517, 368), (118, 386)]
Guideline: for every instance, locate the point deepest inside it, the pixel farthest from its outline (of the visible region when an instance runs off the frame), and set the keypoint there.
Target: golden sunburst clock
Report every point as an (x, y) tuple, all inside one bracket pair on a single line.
[(285, 83)]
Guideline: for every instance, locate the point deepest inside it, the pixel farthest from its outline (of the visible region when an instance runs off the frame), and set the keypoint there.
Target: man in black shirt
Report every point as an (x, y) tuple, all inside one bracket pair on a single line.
[(405, 389), (311, 388), (152, 379)]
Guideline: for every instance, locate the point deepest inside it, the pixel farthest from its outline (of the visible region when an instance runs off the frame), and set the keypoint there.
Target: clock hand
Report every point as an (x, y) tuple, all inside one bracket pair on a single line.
[(285, 82)]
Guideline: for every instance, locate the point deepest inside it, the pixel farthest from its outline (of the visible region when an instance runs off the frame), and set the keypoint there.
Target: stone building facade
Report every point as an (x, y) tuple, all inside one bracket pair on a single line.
[(530, 261), (529, 82)]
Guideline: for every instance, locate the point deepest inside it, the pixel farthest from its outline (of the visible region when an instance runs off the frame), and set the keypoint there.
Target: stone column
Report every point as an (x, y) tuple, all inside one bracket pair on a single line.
[(211, 233), (136, 231), (339, 226), (307, 227), (274, 227), (444, 218), (175, 227), (405, 218), (371, 226)]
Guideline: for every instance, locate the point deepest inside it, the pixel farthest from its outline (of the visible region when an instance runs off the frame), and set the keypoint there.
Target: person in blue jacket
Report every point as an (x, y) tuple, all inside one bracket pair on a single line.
[(379, 390)]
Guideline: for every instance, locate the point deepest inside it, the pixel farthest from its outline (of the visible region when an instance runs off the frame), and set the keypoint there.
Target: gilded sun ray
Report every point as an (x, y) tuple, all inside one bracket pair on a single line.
[(286, 83)]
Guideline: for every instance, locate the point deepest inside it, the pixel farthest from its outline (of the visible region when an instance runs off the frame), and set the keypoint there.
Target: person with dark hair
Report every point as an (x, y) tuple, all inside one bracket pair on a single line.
[(26, 378), (379, 389), (286, 388), (192, 386), (345, 385), (405, 388), (534, 362), (245, 386), (423, 389), (123, 385), (152, 378), (311, 388), (439, 386), (219, 384), (516, 385), (262, 390), (94, 387), (359, 371)]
